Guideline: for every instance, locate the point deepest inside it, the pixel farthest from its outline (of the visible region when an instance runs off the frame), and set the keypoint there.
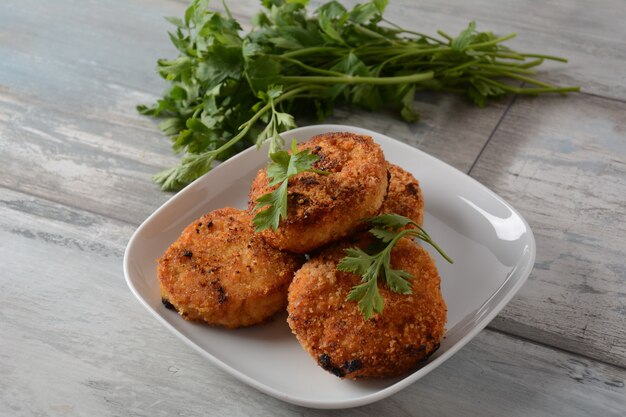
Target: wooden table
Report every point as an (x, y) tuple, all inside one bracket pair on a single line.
[(75, 181)]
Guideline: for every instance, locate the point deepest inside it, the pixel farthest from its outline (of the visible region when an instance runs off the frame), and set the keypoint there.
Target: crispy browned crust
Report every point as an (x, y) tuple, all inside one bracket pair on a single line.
[(324, 208), (404, 196), (219, 271), (338, 337)]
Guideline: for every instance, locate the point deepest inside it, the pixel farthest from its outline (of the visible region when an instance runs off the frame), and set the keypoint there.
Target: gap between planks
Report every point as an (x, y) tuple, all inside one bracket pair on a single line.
[(584, 93), (70, 206), (556, 348), (491, 135)]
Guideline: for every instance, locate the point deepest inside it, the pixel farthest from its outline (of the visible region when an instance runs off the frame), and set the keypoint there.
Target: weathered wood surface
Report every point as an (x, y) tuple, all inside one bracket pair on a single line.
[(75, 342), (68, 92), (563, 164), (75, 168)]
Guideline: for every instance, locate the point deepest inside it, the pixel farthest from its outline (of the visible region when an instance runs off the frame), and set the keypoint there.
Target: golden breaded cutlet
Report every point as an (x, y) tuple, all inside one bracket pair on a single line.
[(220, 272), (325, 208), (337, 336), (404, 196)]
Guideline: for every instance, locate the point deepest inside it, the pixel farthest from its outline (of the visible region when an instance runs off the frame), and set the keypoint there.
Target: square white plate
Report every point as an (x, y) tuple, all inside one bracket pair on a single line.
[(492, 246)]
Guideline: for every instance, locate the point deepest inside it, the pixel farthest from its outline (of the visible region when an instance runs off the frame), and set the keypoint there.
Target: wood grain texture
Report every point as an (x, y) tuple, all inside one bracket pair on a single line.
[(562, 163), (70, 78), (76, 342), (75, 168)]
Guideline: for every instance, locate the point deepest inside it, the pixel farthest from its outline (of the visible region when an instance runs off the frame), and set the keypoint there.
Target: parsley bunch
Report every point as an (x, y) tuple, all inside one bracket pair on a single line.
[(375, 262), (229, 90)]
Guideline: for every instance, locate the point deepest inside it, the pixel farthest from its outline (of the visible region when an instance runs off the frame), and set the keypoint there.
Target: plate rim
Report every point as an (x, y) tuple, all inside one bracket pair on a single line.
[(520, 275)]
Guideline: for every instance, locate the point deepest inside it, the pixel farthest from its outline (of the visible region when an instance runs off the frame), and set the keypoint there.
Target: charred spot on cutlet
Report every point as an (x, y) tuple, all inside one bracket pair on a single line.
[(299, 199), (388, 184), (168, 305), (353, 365), (325, 362), (415, 350), (308, 181), (429, 354), (187, 253), (221, 295), (412, 188), (327, 164)]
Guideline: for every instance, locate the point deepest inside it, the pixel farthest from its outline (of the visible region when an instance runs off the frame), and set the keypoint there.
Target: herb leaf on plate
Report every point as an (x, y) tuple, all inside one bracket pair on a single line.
[(279, 171), (375, 262)]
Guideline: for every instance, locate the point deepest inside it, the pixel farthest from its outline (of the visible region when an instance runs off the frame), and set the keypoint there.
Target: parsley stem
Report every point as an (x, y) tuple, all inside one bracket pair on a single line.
[(530, 64), (505, 68), (426, 238), (445, 35), (402, 30), (526, 79), (313, 50), (491, 42), (308, 67), (365, 31), (550, 57), (506, 55), (226, 9), (349, 79), (417, 52), (244, 128), (523, 90)]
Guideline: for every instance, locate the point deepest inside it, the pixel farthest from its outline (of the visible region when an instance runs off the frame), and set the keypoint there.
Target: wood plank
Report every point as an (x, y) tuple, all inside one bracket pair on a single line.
[(76, 342), (562, 163), (67, 98)]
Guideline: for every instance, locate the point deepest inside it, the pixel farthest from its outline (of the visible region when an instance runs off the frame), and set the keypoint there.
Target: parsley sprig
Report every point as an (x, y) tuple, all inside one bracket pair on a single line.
[(279, 171), (229, 89), (375, 262)]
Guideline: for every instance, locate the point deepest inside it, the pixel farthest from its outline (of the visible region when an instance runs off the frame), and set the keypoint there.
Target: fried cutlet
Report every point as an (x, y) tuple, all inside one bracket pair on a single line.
[(325, 208), (337, 336), (221, 272), (404, 196)]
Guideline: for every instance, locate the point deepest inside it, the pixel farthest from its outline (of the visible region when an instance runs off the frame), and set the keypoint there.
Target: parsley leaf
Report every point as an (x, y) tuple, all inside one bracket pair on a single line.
[(277, 202), (279, 171), (372, 266)]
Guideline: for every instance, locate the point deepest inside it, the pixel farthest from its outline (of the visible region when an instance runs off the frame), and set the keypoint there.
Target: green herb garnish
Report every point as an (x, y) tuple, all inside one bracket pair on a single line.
[(376, 262), (229, 90), (279, 171)]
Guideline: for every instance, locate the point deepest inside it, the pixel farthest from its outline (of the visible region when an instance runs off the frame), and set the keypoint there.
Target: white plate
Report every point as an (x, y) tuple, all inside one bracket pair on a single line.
[(491, 244)]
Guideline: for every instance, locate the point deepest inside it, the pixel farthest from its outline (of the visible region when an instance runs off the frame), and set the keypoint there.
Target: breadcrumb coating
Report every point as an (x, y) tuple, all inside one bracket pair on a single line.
[(404, 196), (325, 208), (220, 272), (337, 335)]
